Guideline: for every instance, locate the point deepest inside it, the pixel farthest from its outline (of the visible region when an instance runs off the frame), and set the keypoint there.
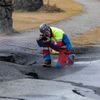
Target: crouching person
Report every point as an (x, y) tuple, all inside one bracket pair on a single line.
[(55, 38)]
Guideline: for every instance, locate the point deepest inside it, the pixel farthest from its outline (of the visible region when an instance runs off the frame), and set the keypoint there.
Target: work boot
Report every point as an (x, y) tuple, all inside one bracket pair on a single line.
[(47, 63), (71, 59)]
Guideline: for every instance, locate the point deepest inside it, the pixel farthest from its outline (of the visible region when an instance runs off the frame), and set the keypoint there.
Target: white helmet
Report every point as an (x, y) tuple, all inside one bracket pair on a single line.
[(44, 27)]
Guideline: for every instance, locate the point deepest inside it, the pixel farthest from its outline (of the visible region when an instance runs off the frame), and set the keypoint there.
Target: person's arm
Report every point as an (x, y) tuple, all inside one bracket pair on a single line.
[(67, 42)]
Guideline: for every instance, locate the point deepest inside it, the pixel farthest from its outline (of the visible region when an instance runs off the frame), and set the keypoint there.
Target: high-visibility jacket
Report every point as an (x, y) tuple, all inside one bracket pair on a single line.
[(59, 37), (57, 34)]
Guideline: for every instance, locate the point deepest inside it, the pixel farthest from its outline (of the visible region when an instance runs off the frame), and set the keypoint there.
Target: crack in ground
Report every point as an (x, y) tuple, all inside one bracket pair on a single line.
[(75, 91), (27, 59), (4, 97), (95, 89)]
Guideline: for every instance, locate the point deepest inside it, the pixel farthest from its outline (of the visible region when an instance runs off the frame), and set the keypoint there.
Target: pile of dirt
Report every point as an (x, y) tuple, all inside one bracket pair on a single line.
[(50, 8)]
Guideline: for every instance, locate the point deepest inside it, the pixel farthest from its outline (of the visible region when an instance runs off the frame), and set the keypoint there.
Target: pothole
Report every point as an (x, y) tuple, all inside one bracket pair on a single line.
[(17, 58), (7, 57), (33, 75), (20, 59)]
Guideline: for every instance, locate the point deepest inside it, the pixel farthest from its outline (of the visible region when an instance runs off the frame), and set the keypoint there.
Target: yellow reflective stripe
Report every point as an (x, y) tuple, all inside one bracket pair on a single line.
[(59, 40), (63, 46), (45, 48)]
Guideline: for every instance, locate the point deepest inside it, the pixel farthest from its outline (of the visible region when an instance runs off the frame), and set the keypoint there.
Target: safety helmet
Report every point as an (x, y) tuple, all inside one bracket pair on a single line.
[(44, 27)]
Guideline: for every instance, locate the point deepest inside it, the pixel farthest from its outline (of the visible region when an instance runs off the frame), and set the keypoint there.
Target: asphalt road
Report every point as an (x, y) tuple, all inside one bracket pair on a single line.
[(80, 81)]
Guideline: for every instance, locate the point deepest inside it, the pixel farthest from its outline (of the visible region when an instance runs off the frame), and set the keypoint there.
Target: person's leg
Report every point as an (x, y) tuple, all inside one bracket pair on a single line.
[(65, 58), (69, 53), (61, 56), (45, 51), (62, 59), (46, 56), (71, 58)]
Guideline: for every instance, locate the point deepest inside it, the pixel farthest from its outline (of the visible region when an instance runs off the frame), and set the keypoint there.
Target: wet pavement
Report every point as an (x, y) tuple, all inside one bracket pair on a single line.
[(80, 81)]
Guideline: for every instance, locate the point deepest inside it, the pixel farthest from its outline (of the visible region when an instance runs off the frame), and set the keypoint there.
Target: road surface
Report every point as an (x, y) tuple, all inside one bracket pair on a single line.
[(80, 81)]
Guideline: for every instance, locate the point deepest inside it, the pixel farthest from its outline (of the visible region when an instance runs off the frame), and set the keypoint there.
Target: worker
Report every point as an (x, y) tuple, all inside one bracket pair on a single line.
[(55, 38)]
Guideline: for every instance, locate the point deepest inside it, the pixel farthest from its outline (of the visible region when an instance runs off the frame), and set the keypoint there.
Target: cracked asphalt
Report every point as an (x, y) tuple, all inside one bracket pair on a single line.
[(80, 81)]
